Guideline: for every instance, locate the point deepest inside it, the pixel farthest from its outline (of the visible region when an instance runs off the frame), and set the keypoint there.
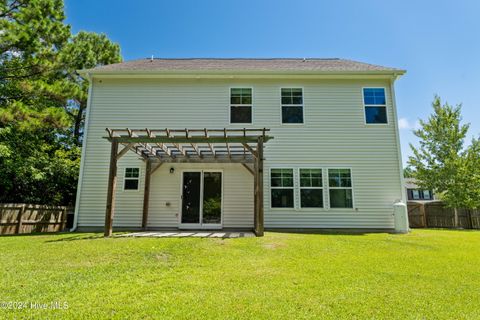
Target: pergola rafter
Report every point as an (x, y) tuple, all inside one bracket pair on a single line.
[(158, 146)]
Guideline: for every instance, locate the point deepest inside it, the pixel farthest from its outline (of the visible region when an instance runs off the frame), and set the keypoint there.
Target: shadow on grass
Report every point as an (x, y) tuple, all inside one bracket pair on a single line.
[(78, 236)]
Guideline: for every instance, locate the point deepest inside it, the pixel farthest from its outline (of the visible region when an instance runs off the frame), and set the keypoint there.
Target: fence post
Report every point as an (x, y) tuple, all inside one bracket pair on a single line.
[(64, 219), (424, 215), (20, 218)]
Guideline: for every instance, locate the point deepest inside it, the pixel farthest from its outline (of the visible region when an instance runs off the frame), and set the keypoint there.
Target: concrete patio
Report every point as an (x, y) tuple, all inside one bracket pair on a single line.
[(184, 234)]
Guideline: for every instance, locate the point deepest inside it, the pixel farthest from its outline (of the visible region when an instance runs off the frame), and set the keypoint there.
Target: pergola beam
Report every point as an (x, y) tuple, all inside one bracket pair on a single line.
[(218, 159), (177, 140)]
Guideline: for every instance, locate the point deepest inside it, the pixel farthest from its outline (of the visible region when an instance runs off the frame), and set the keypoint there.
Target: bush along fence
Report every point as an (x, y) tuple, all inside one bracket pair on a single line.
[(437, 215), (31, 218)]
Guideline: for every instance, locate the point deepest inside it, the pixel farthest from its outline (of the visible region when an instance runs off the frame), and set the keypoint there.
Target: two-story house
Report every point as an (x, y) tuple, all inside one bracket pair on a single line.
[(240, 144)]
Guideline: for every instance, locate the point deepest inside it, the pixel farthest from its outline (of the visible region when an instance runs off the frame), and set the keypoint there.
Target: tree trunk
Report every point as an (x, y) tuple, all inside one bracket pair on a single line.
[(78, 122)]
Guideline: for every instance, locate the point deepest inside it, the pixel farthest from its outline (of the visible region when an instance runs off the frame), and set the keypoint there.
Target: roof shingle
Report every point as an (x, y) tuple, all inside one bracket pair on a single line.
[(244, 65)]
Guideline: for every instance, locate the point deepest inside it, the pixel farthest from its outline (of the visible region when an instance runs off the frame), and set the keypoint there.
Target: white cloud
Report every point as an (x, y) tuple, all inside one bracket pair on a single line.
[(404, 123)]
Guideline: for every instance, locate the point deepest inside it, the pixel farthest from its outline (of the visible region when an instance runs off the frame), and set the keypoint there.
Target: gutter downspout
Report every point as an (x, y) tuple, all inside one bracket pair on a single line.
[(82, 160)]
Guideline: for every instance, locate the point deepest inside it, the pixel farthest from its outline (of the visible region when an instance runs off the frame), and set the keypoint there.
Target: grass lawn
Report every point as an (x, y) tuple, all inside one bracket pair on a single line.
[(427, 274)]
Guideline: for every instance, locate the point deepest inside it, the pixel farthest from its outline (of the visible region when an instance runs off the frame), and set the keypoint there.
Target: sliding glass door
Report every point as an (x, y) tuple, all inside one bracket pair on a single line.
[(201, 199)]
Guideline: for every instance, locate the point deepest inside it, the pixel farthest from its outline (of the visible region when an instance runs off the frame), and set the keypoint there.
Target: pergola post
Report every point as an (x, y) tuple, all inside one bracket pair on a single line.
[(146, 193), (259, 223), (112, 182)]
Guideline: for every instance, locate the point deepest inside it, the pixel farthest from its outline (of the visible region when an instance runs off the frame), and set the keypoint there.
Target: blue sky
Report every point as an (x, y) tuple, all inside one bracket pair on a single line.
[(438, 42)]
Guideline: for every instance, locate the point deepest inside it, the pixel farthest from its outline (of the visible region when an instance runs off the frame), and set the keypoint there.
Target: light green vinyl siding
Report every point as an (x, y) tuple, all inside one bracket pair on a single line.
[(334, 135)]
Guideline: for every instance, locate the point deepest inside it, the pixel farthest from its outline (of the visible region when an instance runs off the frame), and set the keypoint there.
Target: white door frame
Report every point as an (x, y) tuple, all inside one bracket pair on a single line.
[(200, 225)]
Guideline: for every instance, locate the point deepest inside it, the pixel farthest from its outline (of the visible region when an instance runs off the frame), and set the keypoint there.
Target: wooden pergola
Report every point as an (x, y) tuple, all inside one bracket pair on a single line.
[(158, 146)]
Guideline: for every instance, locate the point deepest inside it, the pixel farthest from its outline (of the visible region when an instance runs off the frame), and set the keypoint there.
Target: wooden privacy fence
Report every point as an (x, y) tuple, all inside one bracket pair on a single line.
[(436, 215), (28, 218)]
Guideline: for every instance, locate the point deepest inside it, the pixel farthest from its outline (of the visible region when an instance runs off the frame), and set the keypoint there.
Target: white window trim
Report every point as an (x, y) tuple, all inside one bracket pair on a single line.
[(292, 187), (375, 105), (125, 178), (320, 188), (353, 208), (230, 105), (292, 105)]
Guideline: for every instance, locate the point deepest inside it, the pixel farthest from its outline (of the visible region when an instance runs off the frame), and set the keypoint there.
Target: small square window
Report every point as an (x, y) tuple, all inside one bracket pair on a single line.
[(131, 178)]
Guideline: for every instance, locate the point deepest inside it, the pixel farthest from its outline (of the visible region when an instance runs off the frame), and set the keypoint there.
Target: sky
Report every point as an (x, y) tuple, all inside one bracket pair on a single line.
[(437, 42)]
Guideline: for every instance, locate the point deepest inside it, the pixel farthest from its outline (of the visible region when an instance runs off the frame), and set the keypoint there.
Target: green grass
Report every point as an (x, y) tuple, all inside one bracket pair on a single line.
[(428, 274)]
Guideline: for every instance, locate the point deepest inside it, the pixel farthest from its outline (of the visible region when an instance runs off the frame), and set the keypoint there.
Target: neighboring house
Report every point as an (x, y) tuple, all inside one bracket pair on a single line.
[(414, 193), (331, 155)]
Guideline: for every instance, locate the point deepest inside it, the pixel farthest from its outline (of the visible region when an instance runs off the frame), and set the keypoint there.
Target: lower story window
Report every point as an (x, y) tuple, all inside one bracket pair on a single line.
[(281, 182), (311, 191), (340, 188), (132, 176)]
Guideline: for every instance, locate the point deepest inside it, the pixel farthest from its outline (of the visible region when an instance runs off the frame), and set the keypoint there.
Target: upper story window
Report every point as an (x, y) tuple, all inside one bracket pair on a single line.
[(292, 105), (340, 188), (281, 182), (131, 179), (240, 105), (375, 105)]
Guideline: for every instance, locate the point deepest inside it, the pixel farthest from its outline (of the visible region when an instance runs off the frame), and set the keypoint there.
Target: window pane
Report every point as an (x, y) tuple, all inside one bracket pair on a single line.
[(276, 182), (292, 115), (241, 96), (287, 100), (305, 182), (241, 114), (311, 198), (374, 96), (376, 114), (282, 198), (281, 177), (246, 100), (132, 172), (297, 100), (339, 178), (416, 194), (292, 96), (341, 198), (427, 195), (287, 182), (236, 91), (131, 184), (235, 100), (310, 177)]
